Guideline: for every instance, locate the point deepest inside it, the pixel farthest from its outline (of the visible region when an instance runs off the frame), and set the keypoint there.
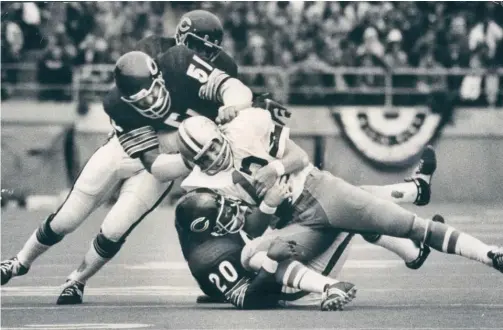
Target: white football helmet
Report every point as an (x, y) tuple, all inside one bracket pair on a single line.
[(201, 143)]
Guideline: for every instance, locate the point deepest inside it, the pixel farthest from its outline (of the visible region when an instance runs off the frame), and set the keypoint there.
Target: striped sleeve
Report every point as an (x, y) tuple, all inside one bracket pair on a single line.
[(277, 141), (139, 140), (210, 90)]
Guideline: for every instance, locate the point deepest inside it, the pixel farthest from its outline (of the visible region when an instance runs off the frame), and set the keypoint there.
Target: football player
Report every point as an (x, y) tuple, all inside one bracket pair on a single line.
[(211, 230), (319, 199), (112, 166), (323, 251)]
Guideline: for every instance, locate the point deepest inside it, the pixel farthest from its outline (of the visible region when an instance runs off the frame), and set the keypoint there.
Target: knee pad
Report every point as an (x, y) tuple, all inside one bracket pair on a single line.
[(46, 235), (105, 247)]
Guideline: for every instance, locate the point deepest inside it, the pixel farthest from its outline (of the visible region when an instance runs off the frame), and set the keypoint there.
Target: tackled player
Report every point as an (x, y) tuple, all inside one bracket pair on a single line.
[(203, 211), (319, 199)]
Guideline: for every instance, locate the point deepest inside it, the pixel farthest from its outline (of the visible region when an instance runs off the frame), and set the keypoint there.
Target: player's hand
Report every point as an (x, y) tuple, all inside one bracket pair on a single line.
[(281, 250), (264, 179), (280, 191), (228, 113)]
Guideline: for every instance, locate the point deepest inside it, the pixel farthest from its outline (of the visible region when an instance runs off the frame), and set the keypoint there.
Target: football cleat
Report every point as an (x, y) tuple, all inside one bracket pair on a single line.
[(72, 294), (424, 250), (423, 174), (496, 255), (337, 295), (10, 268)]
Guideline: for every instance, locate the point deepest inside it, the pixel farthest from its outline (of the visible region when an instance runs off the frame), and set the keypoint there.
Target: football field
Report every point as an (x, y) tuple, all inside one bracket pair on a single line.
[(148, 286)]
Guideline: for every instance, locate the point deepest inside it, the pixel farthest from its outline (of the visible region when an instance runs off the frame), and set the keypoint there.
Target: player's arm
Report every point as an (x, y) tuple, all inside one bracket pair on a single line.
[(216, 85), (143, 143), (264, 216), (289, 158), (164, 167)]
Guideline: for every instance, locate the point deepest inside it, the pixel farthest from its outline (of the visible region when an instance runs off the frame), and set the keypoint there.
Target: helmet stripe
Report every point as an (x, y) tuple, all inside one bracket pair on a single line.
[(188, 140)]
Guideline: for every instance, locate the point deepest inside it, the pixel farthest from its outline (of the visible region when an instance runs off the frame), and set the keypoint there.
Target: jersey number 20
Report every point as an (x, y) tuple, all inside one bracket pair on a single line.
[(227, 275)]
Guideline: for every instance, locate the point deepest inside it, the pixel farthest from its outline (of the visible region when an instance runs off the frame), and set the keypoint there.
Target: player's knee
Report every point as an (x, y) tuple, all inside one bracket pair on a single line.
[(46, 235), (247, 253), (105, 247)]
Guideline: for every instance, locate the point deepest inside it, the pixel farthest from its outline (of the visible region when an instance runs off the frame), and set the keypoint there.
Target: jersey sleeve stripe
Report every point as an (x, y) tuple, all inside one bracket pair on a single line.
[(139, 140), (278, 141), (135, 151), (209, 91)]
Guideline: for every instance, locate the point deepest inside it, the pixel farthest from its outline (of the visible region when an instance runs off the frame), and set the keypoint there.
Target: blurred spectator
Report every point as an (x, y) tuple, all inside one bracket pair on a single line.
[(486, 32), (55, 74), (369, 81), (13, 41), (430, 83), (395, 57), (93, 50), (79, 20), (371, 43)]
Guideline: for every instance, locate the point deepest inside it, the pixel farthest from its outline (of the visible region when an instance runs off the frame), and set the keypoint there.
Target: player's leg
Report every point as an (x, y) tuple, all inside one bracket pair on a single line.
[(332, 201), (329, 263), (96, 180), (139, 195), (293, 274), (413, 253), (416, 189)]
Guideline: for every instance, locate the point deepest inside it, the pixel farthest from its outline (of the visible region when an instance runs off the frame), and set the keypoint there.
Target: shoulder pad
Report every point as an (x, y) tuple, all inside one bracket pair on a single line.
[(154, 45), (210, 253), (226, 63)]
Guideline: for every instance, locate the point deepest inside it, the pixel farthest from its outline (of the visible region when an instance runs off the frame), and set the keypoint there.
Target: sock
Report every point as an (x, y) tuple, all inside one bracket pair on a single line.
[(397, 193), (31, 250), (91, 264), (294, 274), (403, 247), (447, 239)]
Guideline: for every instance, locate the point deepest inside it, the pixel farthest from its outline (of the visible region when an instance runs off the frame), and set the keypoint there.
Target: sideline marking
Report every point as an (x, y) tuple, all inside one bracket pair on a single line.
[(81, 326)]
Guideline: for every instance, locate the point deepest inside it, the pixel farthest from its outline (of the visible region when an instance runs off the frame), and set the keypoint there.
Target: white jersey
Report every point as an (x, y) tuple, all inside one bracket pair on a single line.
[(255, 141)]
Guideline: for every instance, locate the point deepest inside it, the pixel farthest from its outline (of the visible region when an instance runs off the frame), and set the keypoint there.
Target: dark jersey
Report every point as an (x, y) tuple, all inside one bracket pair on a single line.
[(156, 45), (193, 85), (216, 266)]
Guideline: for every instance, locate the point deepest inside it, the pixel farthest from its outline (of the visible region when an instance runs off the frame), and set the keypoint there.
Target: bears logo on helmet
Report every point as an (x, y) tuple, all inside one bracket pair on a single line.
[(141, 84), (204, 213), (200, 31)]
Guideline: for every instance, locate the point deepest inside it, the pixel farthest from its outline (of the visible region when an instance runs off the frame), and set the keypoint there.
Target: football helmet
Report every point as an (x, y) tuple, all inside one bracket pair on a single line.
[(205, 213), (200, 31), (201, 143), (141, 84)]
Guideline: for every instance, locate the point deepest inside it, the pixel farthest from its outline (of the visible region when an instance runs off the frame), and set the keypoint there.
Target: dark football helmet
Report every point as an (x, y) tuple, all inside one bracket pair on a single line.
[(141, 84), (203, 213), (200, 31)]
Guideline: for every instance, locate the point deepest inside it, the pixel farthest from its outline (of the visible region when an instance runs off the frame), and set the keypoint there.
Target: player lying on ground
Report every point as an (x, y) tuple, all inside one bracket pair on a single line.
[(134, 120), (269, 272), (319, 199), (202, 211)]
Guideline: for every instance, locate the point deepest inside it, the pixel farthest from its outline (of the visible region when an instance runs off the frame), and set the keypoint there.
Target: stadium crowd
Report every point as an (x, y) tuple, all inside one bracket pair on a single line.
[(307, 35)]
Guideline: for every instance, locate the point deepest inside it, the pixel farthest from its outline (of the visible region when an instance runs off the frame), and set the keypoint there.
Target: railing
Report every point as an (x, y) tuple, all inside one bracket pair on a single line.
[(383, 86)]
